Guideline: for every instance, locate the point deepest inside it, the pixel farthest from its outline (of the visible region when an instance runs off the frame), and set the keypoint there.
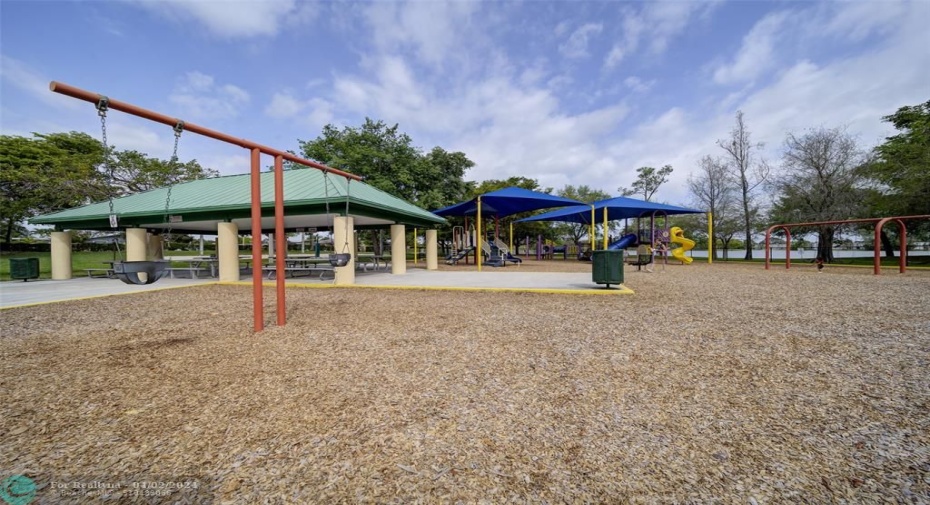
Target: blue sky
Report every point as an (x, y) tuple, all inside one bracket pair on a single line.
[(564, 92)]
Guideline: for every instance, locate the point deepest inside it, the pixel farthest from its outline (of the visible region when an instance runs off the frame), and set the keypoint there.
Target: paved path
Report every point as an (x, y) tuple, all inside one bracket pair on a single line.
[(16, 293)]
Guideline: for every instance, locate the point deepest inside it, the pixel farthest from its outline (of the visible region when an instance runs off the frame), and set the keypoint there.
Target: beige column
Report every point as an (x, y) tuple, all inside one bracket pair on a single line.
[(137, 247), (432, 250), (156, 248), (398, 249), (136, 242), (61, 255), (227, 252), (343, 230)]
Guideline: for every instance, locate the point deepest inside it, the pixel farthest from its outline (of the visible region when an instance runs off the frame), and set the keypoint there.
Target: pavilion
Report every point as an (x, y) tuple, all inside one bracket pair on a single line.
[(222, 206)]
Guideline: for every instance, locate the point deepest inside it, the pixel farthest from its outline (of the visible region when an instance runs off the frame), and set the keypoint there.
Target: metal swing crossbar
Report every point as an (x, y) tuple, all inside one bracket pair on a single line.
[(256, 208)]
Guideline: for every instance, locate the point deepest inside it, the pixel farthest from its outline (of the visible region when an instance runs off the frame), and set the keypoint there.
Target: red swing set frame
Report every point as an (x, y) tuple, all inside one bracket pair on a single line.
[(256, 151)]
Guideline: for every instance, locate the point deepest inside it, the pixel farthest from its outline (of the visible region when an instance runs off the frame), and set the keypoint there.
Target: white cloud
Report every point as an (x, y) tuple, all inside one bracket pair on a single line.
[(283, 105), (577, 44), (241, 19), (655, 25), (198, 96), (757, 53), (26, 78), (434, 31), (638, 85)]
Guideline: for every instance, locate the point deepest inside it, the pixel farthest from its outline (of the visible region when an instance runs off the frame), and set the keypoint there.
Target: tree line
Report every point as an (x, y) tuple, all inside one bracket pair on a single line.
[(824, 175)]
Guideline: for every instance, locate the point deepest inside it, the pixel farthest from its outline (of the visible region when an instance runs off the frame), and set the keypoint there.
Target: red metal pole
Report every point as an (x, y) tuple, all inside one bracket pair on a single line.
[(257, 304), (768, 247), (128, 108), (902, 263), (787, 248), (281, 245)]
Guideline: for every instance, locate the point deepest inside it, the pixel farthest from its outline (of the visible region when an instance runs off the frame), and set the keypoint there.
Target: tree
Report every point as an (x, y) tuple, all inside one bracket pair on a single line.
[(134, 172), (46, 173), (820, 182), (440, 178), (582, 193), (901, 165), (388, 160), (747, 173), (647, 181), (713, 189)]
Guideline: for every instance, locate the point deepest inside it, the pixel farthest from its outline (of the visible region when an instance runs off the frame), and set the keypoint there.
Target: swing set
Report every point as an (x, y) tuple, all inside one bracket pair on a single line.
[(129, 271)]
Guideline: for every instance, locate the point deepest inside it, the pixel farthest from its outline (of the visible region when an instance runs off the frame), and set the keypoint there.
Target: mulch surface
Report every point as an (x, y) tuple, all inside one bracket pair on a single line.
[(720, 383)]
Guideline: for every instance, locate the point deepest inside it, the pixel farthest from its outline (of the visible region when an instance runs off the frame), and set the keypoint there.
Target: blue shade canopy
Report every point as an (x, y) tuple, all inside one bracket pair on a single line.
[(505, 202), (620, 207)]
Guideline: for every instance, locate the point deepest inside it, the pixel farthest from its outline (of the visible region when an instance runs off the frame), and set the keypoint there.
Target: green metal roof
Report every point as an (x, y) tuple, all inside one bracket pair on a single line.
[(228, 198)]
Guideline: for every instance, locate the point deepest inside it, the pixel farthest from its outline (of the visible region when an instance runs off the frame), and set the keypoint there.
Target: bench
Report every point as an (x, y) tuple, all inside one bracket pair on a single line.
[(107, 273), (292, 272), (192, 272), (643, 256)]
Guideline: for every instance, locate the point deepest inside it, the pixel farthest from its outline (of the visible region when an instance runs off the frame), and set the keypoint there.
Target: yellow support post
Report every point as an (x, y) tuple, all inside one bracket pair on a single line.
[(592, 227), (605, 227), (710, 238), (479, 241), (511, 236)]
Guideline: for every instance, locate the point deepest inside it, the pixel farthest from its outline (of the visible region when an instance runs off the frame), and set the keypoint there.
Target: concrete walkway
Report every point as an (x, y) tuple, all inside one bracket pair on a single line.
[(18, 293), (15, 293)]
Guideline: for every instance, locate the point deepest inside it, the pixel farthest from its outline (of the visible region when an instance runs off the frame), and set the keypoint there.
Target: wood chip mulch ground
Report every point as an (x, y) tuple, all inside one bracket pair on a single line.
[(712, 384)]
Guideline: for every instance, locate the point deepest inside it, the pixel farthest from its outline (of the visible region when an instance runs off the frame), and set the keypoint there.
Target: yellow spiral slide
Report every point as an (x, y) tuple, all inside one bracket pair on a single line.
[(678, 236)]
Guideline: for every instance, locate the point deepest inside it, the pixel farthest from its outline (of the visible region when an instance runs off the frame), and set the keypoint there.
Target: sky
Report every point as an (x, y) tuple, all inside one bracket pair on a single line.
[(563, 92)]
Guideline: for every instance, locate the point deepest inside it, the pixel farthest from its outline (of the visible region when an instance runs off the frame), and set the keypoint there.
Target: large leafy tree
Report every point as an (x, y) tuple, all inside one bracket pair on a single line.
[(820, 181), (648, 180), (45, 173), (388, 160), (901, 165), (134, 172), (50, 172)]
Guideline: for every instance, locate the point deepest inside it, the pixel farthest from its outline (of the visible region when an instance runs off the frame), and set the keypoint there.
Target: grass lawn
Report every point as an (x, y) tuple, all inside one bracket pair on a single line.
[(80, 261)]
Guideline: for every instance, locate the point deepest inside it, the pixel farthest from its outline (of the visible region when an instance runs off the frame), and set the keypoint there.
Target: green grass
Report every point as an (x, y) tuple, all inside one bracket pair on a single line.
[(80, 261)]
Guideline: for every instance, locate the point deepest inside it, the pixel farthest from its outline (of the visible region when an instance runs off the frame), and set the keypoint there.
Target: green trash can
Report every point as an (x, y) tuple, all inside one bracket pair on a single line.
[(24, 268), (607, 267)]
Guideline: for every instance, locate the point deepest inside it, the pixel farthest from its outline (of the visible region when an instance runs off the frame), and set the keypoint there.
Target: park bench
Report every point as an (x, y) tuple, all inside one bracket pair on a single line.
[(101, 273)]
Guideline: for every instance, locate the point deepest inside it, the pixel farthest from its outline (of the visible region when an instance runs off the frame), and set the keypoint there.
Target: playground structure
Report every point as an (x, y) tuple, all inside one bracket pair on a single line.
[(879, 223), (256, 150)]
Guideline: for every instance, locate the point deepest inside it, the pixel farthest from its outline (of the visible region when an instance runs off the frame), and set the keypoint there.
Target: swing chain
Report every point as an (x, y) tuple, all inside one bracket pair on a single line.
[(345, 246), (103, 103), (178, 129)]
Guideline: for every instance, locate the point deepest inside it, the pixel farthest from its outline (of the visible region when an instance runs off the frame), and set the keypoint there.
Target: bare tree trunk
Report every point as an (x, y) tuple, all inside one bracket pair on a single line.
[(887, 245), (8, 235), (825, 243)]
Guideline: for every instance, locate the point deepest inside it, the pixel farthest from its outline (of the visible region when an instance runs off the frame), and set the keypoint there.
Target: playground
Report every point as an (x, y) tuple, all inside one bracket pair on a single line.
[(813, 391)]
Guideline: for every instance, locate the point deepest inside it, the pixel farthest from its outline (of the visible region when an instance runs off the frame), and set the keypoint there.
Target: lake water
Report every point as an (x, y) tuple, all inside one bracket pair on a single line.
[(807, 254)]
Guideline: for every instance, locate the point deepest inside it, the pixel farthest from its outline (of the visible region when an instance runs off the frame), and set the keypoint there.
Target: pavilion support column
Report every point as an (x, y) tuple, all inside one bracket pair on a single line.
[(61, 255), (398, 249), (344, 233), (137, 246), (156, 247), (227, 252), (432, 250)]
